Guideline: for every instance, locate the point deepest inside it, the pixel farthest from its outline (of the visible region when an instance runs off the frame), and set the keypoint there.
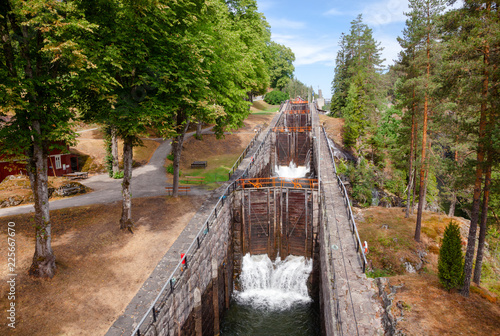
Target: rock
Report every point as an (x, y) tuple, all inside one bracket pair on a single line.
[(11, 201), (386, 293), (70, 189), (409, 267)]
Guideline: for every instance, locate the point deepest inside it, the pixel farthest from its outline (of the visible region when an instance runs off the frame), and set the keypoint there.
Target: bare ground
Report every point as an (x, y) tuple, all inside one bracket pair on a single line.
[(334, 127), (99, 267), (428, 309), (92, 149)]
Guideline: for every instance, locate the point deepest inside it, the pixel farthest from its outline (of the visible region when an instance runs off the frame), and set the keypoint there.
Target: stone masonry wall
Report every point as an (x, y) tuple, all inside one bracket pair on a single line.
[(197, 276)]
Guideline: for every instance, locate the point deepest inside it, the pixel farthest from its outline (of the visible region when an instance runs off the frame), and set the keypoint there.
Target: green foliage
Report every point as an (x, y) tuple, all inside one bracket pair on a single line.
[(363, 181), (396, 184), (342, 167), (170, 157), (281, 67), (276, 97), (118, 175), (450, 264), (353, 113), (108, 159), (378, 273), (170, 168), (358, 61), (296, 88)]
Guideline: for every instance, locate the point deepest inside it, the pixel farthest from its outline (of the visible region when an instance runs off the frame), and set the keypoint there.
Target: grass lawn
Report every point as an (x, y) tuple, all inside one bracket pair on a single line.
[(221, 154)]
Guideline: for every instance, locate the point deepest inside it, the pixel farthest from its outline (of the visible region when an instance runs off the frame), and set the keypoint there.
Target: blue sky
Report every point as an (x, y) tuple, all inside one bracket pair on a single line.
[(312, 30)]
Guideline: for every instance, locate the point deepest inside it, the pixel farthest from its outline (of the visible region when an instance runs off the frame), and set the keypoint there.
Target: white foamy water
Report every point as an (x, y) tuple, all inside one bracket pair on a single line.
[(291, 171), (274, 286), (336, 152)]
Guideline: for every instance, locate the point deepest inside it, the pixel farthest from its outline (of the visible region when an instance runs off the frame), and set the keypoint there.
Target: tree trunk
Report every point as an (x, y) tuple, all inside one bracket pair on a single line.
[(126, 219), (44, 261), (114, 150), (421, 194), (424, 205), (177, 151), (410, 169), (198, 129), (451, 212), (482, 225), (414, 190), (471, 240), (250, 96)]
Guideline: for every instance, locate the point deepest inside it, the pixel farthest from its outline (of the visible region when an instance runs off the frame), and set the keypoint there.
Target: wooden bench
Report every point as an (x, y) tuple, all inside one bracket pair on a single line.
[(199, 164), (170, 189), (199, 179), (77, 175)]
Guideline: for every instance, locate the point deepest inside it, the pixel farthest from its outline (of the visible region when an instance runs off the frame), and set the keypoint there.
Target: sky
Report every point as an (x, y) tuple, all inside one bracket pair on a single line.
[(312, 30)]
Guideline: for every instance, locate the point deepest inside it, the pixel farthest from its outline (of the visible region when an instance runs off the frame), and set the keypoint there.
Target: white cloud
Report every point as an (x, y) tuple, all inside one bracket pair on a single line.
[(333, 12), (309, 51), (264, 5), (391, 48), (385, 12), (286, 24)]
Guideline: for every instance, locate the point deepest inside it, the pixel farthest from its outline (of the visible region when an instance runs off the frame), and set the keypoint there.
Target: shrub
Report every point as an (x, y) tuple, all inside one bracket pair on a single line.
[(276, 97), (450, 264), (170, 169), (118, 175), (170, 157)]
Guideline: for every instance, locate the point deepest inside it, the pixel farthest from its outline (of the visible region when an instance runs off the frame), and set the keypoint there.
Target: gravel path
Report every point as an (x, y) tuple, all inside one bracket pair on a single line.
[(147, 181)]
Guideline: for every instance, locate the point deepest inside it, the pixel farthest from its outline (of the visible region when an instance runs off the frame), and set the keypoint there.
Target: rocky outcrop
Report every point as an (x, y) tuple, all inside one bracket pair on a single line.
[(386, 293)]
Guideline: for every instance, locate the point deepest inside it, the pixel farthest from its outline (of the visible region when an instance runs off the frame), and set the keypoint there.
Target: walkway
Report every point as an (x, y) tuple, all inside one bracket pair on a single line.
[(147, 181), (359, 309)]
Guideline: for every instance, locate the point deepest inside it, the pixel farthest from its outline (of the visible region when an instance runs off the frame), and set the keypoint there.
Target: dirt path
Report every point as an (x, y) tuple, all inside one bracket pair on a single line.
[(147, 181), (99, 268)]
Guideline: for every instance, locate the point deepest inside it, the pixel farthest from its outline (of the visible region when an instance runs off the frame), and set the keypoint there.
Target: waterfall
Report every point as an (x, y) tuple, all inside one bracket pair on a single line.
[(336, 152), (291, 171), (274, 286)]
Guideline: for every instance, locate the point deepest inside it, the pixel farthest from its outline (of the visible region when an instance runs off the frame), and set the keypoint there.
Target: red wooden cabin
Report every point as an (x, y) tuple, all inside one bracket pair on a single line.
[(59, 163)]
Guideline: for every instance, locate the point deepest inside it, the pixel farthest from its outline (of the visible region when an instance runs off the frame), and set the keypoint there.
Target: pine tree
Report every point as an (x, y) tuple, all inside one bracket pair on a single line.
[(420, 42), (358, 63), (451, 259), (471, 79)]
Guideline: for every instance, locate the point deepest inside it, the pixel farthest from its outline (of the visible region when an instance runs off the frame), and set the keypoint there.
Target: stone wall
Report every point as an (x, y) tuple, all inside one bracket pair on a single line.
[(207, 271), (199, 294), (261, 160)]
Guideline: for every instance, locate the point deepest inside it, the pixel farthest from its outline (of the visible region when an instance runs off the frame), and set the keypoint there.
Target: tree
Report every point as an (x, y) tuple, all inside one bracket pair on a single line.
[(281, 67), (255, 34), (358, 63), (421, 51), (354, 113), (217, 63), (276, 97), (295, 88), (41, 64), (451, 259), (471, 79), (121, 86)]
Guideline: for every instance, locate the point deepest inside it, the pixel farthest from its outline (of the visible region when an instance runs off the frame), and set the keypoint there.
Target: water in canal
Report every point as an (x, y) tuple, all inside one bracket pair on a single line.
[(273, 299)]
